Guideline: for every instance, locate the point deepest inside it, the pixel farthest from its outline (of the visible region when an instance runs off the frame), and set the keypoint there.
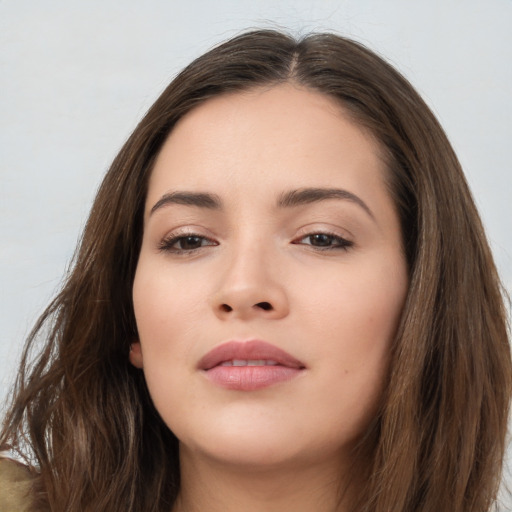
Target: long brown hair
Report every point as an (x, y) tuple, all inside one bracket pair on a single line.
[(81, 413)]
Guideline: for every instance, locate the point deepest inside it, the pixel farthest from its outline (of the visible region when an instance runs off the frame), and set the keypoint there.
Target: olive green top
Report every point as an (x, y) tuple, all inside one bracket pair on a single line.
[(15, 487)]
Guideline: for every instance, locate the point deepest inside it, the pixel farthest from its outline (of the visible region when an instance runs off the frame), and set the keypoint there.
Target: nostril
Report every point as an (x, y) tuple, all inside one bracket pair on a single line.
[(266, 306), (226, 308)]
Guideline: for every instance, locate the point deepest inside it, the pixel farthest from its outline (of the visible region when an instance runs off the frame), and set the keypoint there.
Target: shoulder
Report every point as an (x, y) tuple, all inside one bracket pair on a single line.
[(15, 486)]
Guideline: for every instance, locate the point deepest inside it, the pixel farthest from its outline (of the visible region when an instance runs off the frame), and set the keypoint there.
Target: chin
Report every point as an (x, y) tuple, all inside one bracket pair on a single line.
[(252, 454), (262, 446)]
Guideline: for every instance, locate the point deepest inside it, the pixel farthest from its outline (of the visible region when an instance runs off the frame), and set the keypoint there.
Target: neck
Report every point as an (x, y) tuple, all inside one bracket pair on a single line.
[(212, 486)]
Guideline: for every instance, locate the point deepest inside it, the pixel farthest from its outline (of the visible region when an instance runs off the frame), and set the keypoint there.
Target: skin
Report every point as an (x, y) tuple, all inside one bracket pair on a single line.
[(332, 305)]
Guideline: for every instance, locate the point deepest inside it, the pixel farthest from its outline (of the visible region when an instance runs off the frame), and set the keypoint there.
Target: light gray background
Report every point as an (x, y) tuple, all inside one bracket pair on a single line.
[(76, 76)]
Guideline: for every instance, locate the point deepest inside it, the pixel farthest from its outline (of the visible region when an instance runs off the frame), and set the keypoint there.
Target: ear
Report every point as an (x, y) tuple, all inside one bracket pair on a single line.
[(136, 355)]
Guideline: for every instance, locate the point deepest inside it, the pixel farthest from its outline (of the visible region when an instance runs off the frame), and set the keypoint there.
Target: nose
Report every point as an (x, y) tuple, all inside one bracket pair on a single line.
[(251, 287)]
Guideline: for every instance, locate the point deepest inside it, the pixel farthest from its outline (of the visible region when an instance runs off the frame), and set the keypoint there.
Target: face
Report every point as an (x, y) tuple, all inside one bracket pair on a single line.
[(270, 280)]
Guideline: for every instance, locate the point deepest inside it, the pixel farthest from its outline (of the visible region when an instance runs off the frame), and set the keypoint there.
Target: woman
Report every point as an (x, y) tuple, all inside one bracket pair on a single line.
[(283, 300)]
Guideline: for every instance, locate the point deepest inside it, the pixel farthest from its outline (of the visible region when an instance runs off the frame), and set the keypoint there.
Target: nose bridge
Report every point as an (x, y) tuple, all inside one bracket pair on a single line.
[(250, 283), (248, 258)]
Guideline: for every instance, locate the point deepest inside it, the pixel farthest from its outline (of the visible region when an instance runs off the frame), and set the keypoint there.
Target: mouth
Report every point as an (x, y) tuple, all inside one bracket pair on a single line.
[(249, 362), (249, 366)]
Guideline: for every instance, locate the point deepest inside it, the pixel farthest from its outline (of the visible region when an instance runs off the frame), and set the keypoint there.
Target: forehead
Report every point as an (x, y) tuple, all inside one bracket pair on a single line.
[(278, 137)]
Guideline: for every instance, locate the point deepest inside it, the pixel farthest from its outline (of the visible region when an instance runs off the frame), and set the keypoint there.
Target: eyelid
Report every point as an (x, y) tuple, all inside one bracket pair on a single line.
[(326, 228), (345, 242), (340, 243), (166, 242)]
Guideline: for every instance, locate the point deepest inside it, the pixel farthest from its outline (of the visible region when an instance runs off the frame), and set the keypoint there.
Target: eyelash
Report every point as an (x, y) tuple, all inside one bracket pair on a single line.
[(340, 243), (167, 244)]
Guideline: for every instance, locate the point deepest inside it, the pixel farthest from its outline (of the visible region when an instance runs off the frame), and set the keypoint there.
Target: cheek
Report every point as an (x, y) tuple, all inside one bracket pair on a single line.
[(163, 296), (165, 310), (165, 317), (356, 319), (359, 307)]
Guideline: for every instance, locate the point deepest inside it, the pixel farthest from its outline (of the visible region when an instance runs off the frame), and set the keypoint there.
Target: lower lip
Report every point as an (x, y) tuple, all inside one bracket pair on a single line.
[(250, 378)]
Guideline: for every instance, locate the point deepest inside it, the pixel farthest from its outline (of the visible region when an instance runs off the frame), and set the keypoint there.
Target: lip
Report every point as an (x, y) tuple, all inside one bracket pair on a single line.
[(249, 378)]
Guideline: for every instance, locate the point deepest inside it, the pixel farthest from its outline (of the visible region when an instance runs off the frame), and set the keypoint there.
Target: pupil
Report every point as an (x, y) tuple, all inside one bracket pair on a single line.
[(321, 240), (191, 242)]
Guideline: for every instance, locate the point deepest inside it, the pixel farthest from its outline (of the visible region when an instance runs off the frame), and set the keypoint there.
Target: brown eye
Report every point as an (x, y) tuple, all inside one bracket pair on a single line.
[(185, 243), (324, 241), (188, 243), (321, 240)]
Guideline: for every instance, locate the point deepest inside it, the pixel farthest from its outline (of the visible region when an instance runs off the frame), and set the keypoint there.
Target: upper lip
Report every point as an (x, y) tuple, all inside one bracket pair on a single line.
[(248, 350)]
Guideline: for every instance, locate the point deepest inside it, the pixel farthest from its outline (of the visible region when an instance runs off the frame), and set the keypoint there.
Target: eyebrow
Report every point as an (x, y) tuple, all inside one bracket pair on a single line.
[(313, 195), (289, 199), (197, 199)]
